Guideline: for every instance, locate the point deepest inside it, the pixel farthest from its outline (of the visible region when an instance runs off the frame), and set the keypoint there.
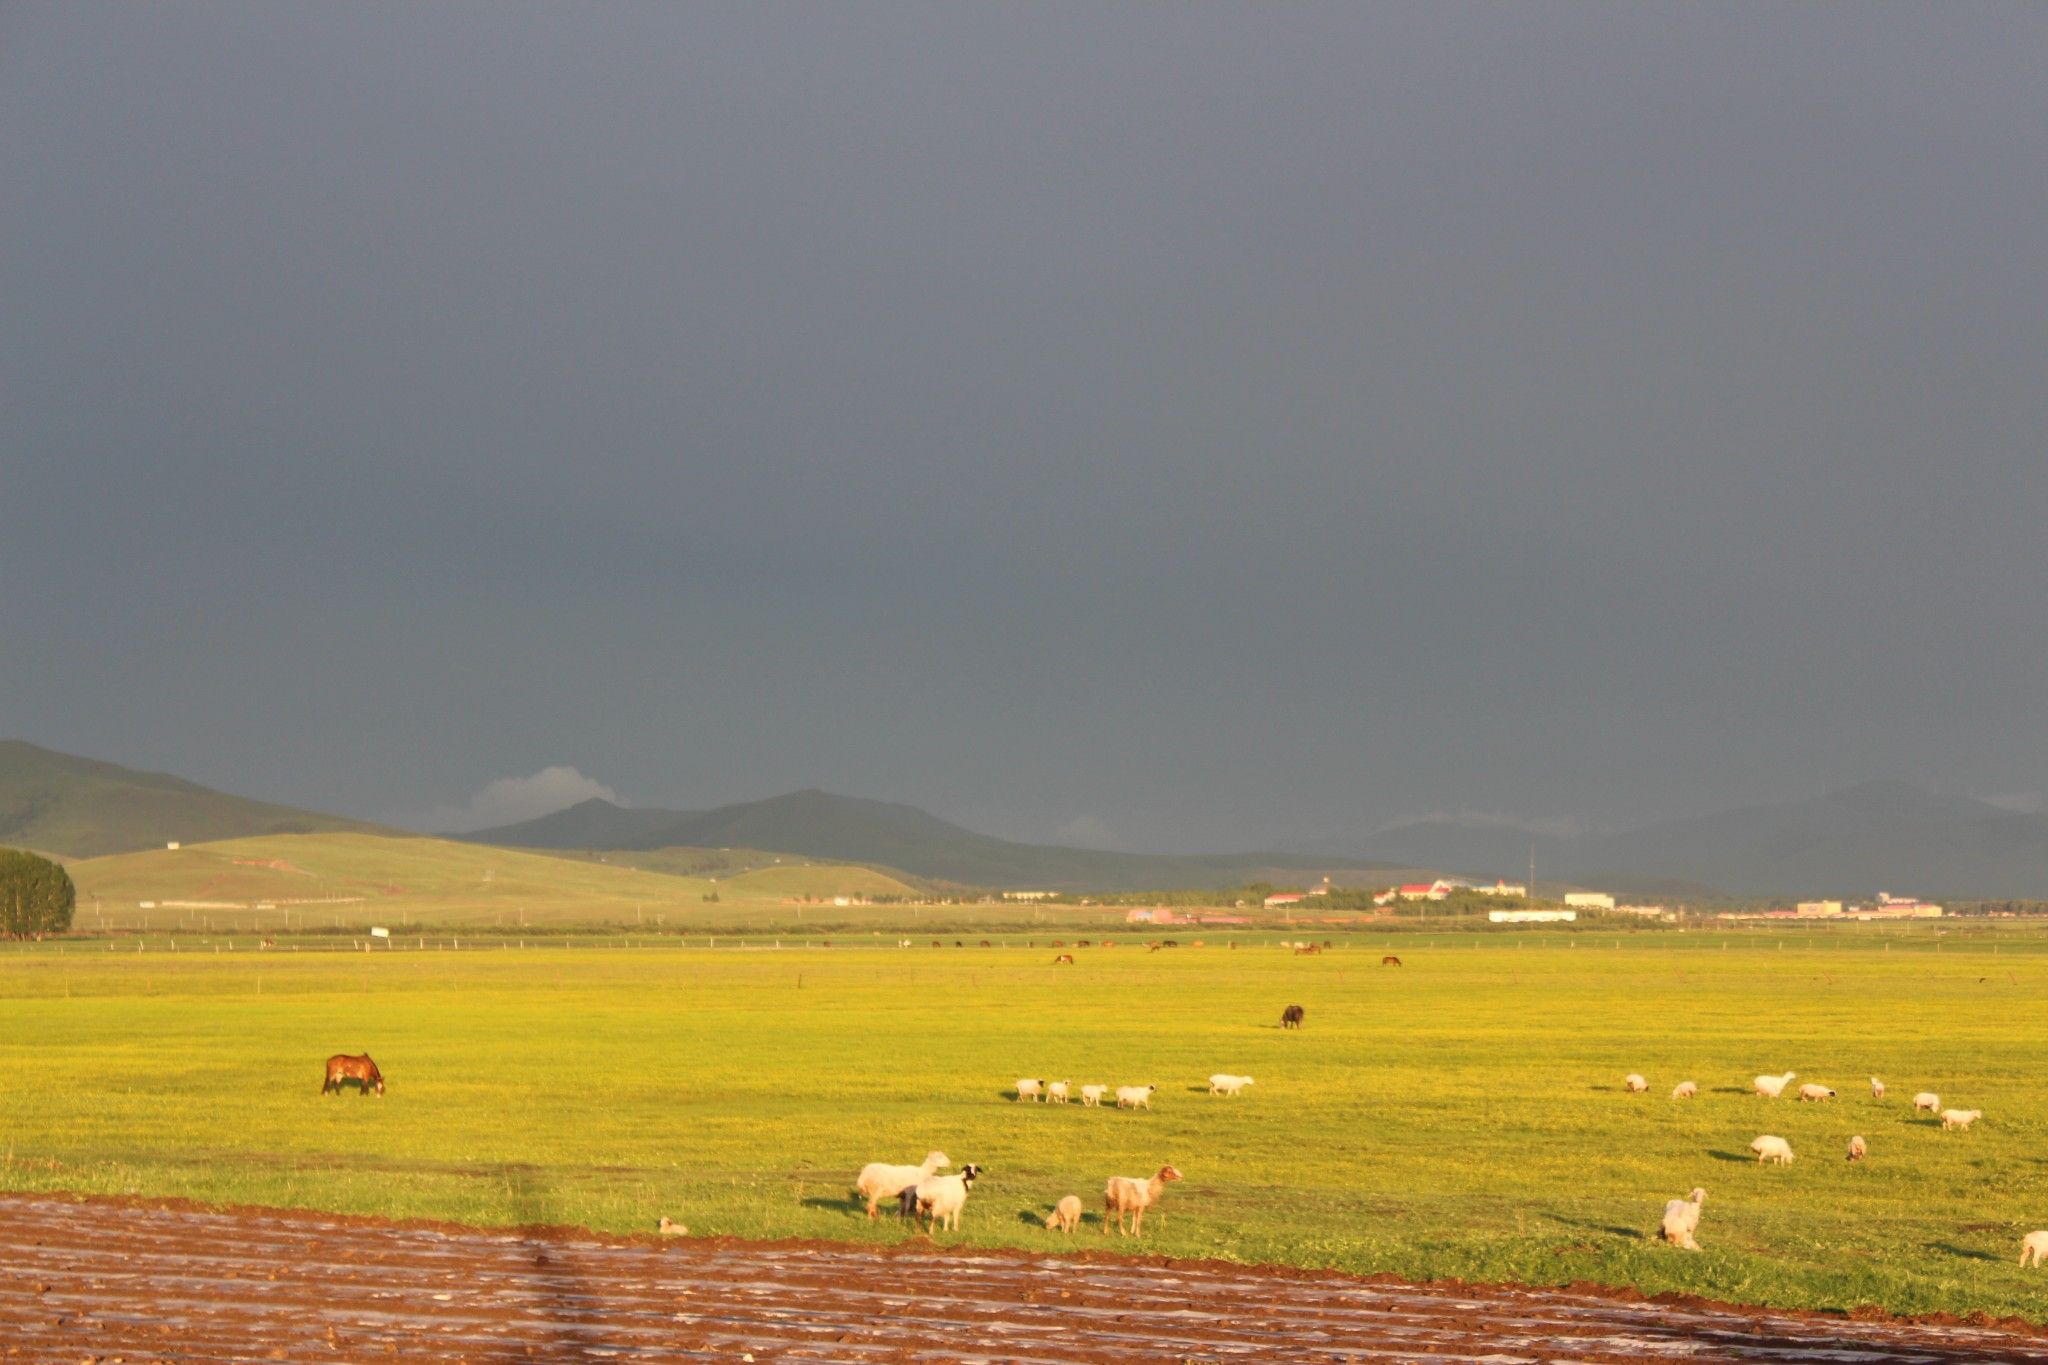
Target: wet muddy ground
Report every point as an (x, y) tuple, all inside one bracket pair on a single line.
[(139, 1281)]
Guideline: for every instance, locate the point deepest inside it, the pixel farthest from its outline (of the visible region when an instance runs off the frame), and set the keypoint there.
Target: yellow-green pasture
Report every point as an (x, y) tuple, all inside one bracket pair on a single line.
[(1462, 1115)]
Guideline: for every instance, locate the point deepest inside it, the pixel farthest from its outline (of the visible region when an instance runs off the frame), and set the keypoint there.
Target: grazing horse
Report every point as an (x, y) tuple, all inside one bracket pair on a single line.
[(1064, 959), (342, 1068), (1291, 1017), (1390, 961)]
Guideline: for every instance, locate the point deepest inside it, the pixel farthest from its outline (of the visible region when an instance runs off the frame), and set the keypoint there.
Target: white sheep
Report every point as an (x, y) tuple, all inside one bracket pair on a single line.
[(941, 1197), (1876, 1088), (1065, 1215), (1772, 1148), (1812, 1092), (1770, 1087), (1056, 1092), (1926, 1102), (1028, 1089), (1223, 1083), (1091, 1095), (879, 1180), (1959, 1118), (1126, 1196), (1634, 1084), (669, 1227), (1684, 1090), (1857, 1147), (1134, 1096), (2033, 1247), (1682, 1220)]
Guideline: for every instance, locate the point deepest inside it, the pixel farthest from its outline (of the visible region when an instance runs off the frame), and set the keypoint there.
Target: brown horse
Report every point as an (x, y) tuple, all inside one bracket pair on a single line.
[(342, 1068), (1390, 961)]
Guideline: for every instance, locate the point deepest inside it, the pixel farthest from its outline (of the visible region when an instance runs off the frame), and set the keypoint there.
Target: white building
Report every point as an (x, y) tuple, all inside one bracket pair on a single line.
[(1504, 889), (1589, 900), (1532, 916)]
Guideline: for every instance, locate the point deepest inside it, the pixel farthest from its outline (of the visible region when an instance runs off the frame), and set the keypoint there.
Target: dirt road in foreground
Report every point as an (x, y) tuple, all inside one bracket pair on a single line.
[(137, 1281)]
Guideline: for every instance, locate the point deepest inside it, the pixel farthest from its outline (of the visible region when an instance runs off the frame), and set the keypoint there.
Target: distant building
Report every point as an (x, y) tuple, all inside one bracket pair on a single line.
[(174, 844), (1646, 911), (1029, 895), (1589, 900), (1423, 891), (1532, 916), (1157, 914), (1503, 889), (1280, 898), (1817, 909)]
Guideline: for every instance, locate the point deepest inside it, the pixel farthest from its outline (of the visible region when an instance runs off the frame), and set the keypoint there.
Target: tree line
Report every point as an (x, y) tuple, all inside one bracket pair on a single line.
[(36, 895)]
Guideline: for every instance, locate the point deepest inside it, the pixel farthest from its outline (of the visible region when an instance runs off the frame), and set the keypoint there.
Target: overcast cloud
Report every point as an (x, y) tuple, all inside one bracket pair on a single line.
[(1224, 425)]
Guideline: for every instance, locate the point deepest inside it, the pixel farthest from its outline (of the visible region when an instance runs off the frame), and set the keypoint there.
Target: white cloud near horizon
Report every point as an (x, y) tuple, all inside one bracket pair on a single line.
[(512, 799)]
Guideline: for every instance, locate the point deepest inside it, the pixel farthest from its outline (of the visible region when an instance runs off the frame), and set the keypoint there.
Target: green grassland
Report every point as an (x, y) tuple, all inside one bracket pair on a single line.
[(1460, 1116), (314, 880)]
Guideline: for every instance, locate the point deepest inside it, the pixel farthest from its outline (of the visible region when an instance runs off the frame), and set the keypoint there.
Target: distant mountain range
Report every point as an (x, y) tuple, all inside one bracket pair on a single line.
[(850, 829), (82, 808), (1878, 836)]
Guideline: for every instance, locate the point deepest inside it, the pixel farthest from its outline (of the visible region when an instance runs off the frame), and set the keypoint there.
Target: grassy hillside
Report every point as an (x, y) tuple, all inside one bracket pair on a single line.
[(316, 880), (847, 829), (726, 863), (1462, 1116), (83, 808), (356, 879)]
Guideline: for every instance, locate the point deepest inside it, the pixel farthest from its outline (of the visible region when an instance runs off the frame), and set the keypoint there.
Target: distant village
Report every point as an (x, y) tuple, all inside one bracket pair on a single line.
[(1566, 910)]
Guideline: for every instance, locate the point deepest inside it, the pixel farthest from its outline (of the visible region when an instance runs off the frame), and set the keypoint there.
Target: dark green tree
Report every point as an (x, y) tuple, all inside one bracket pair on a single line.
[(36, 895)]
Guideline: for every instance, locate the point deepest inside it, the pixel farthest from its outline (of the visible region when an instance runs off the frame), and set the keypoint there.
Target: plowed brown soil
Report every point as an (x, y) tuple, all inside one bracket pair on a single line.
[(135, 1281)]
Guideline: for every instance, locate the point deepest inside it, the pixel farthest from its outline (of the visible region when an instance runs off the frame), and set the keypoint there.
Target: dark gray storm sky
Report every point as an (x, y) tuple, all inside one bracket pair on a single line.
[(1211, 426)]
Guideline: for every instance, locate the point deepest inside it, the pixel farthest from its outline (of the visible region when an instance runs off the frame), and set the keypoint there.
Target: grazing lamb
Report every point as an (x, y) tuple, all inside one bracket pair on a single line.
[(1222, 1083), (1290, 1017), (1091, 1095), (1065, 1215), (1134, 1096), (1028, 1089), (1959, 1118), (669, 1227), (941, 1197), (1876, 1088), (1857, 1147), (1124, 1196), (1770, 1087), (1813, 1092), (1926, 1102), (1769, 1148), (1634, 1084), (1056, 1092), (879, 1180), (2033, 1247), (1682, 1220), (1684, 1090)]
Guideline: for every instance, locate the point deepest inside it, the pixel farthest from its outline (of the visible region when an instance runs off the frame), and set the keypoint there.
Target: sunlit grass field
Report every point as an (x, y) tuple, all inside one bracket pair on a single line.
[(1461, 1115)]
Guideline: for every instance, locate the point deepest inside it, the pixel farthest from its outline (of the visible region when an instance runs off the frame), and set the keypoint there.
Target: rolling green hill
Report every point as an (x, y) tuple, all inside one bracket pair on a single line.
[(347, 879), (849, 829), (83, 808)]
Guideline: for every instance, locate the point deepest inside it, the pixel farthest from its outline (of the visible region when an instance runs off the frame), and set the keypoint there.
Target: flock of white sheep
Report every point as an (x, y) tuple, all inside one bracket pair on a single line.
[(1682, 1216), (934, 1201)]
